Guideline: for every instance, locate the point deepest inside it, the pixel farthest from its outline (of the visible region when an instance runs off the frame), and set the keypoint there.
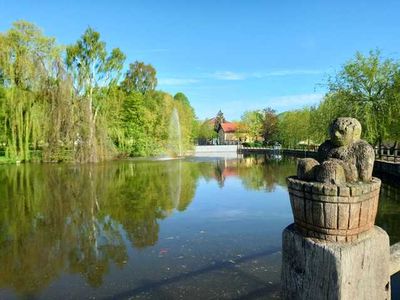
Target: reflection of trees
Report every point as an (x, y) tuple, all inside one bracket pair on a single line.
[(143, 194), (256, 172), (389, 211), (266, 173), (22, 239), (74, 219), (68, 218)]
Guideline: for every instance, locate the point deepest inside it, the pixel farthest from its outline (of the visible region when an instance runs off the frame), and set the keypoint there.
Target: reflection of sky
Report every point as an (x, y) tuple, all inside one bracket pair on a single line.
[(221, 225), (234, 202), (233, 210)]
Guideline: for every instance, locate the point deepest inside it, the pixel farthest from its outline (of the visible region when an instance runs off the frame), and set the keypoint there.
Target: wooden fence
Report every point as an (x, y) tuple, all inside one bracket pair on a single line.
[(387, 153), (390, 154)]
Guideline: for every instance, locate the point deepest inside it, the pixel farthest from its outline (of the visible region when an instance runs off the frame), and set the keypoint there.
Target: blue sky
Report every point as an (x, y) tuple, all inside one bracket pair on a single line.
[(228, 55)]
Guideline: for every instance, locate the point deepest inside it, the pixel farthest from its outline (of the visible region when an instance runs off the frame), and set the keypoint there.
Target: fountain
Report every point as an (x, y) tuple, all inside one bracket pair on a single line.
[(175, 182), (174, 146), (174, 142)]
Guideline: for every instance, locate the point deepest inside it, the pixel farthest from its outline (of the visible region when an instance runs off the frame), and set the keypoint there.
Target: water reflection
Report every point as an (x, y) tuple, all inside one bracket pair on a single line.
[(55, 218), (65, 220), (257, 172), (389, 209)]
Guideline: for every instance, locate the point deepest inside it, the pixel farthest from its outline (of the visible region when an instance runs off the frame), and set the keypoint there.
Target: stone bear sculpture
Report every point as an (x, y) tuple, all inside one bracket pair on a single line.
[(342, 158)]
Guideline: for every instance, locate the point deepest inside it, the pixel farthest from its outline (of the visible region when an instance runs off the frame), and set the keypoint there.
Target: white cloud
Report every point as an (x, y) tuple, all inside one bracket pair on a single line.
[(294, 101), (288, 73), (153, 50), (177, 81), (234, 76), (235, 108), (229, 75)]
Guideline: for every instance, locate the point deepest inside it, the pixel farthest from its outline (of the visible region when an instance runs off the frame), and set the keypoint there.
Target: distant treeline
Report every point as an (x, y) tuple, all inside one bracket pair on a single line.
[(76, 103), (366, 88)]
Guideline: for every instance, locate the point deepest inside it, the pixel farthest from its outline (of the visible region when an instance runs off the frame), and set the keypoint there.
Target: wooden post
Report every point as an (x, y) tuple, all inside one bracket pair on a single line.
[(317, 269), (333, 250)]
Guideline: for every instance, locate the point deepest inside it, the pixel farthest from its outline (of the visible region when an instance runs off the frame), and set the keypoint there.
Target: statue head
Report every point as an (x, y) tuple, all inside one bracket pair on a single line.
[(344, 131)]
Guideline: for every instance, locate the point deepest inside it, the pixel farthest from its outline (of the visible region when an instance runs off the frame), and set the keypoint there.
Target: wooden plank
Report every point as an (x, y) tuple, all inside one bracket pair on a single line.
[(330, 215), (343, 216)]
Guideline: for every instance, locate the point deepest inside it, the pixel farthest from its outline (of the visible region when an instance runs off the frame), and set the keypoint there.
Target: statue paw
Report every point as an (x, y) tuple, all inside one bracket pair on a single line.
[(306, 168)]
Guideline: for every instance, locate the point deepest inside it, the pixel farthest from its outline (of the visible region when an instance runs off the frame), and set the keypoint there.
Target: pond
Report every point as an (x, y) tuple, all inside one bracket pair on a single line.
[(140, 229)]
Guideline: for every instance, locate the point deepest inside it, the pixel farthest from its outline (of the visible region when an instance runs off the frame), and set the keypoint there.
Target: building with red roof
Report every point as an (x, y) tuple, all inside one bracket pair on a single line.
[(227, 133)]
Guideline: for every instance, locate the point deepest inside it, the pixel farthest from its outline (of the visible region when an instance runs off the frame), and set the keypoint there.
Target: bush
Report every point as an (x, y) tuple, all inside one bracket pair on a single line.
[(257, 144)]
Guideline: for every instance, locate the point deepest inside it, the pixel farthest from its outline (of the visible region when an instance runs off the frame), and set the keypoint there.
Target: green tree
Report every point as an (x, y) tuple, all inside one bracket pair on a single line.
[(91, 68), (253, 122), (26, 61), (181, 97), (187, 119), (294, 127), (218, 120), (206, 132), (364, 86), (140, 78), (135, 138), (57, 106), (269, 124)]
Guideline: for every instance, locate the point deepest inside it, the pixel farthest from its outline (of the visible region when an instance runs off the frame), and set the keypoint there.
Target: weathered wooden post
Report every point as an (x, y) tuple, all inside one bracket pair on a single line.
[(333, 250)]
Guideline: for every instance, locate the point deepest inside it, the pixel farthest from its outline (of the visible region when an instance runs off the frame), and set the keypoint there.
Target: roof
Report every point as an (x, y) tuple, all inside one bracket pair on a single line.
[(229, 127), (211, 121), (230, 171)]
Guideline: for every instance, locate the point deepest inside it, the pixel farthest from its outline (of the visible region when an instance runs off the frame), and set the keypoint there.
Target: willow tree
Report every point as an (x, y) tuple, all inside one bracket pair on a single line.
[(26, 59), (61, 115), (364, 86), (92, 70)]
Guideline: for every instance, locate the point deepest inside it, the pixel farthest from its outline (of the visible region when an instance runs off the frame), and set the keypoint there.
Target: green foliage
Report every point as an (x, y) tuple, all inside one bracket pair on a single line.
[(366, 88), (260, 123), (26, 59), (135, 142), (205, 132), (74, 109), (252, 144), (181, 97), (143, 123), (187, 119), (294, 127), (253, 123), (269, 124), (139, 78), (91, 68)]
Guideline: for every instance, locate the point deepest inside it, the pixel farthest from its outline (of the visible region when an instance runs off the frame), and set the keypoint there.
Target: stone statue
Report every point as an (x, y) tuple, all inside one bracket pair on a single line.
[(343, 158), (333, 240)]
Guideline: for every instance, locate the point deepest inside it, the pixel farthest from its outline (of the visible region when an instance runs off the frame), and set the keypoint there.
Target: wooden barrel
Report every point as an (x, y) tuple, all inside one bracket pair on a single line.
[(334, 212)]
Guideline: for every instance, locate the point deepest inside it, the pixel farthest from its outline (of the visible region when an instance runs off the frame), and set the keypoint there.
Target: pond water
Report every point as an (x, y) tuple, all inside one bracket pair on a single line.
[(179, 229)]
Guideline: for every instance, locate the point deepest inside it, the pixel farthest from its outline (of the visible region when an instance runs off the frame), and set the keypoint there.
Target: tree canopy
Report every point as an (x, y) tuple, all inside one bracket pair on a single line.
[(68, 103), (139, 78), (367, 88)]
